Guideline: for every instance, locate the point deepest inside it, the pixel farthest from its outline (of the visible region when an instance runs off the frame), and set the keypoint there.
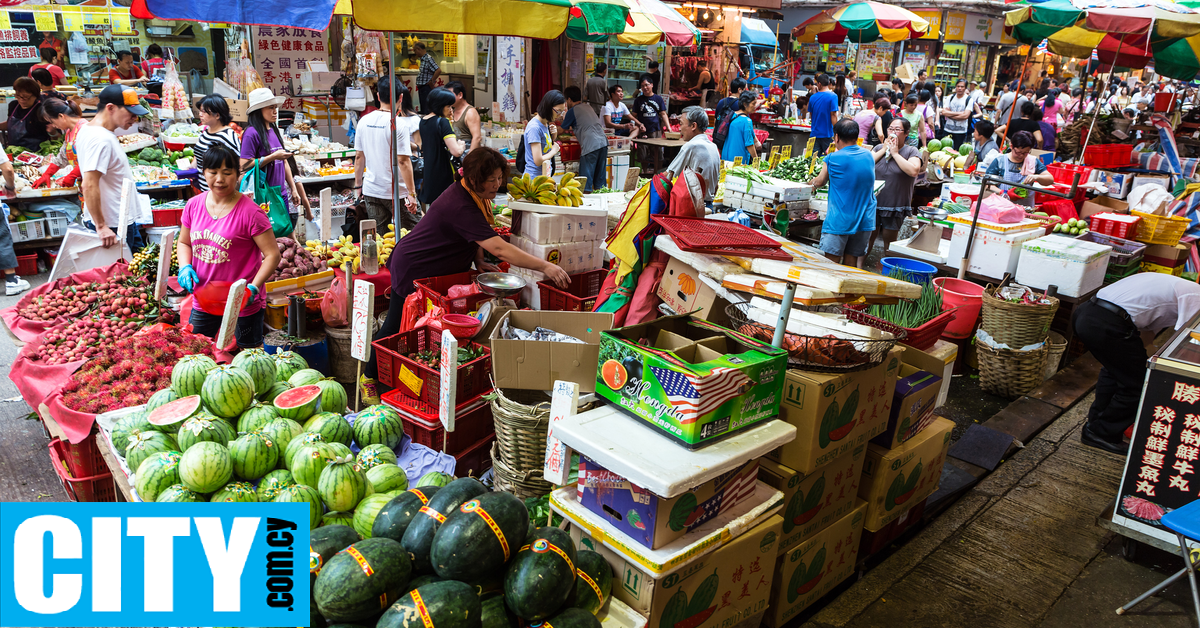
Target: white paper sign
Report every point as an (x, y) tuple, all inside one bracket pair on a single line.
[(164, 264), (447, 396), (128, 199), (563, 403), (360, 323), (326, 215), (233, 307)]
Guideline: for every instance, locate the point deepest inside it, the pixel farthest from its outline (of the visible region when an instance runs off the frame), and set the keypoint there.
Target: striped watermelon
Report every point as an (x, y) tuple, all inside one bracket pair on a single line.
[(310, 461), (142, 444), (342, 484), (340, 450), (160, 398), (287, 363), (387, 477), (435, 478), (365, 513), (300, 403), (301, 493), (157, 473), (235, 492), (281, 432), (205, 467), (334, 427), (179, 493), (256, 416), (126, 426), (273, 483), (333, 396), (260, 365), (168, 417), (338, 518), (204, 427), (227, 391), (374, 455), (253, 455), (378, 425), (306, 438), (187, 376), (305, 377), (274, 391)]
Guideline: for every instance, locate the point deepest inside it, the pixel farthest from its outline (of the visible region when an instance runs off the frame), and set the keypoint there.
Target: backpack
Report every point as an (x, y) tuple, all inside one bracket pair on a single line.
[(722, 131)]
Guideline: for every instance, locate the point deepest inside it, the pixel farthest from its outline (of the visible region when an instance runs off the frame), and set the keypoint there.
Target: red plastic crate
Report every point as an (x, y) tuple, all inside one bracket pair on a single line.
[(476, 460), (435, 289), (472, 422), (167, 217), (1108, 155), (83, 460), (1065, 173), (27, 265), (421, 382), (1080, 195), (580, 296), (94, 488), (1117, 229)]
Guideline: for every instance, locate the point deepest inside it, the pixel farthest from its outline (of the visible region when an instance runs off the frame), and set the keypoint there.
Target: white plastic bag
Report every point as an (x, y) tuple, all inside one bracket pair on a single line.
[(1151, 199)]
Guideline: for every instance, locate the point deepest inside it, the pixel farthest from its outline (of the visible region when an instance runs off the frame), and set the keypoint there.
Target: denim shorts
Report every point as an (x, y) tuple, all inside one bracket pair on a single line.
[(852, 244), (249, 331)]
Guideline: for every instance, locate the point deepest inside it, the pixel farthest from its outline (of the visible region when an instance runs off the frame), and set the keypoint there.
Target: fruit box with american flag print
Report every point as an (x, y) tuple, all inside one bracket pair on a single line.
[(653, 520), (694, 380)]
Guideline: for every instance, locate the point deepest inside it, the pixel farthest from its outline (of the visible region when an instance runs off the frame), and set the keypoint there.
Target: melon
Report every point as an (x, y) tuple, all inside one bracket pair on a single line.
[(287, 363), (334, 427), (282, 432), (375, 455), (160, 398), (235, 492), (167, 418), (227, 391), (205, 467), (274, 391), (273, 483), (385, 478), (298, 404), (188, 374), (305, 377), (342, 484), (253, 455), (301, 493), (260, 365), (258, 415), (204, 427)]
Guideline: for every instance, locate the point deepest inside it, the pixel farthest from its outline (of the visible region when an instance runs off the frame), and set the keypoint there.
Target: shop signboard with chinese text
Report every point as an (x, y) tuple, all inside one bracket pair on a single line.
[(510, 70), (282, 53), (15, 47), (956, 24), (875, 59), (934, 17)]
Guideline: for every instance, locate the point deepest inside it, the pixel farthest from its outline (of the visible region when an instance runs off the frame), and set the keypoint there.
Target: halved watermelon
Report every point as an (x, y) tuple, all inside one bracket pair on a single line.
[(176, 412), (298, 404)]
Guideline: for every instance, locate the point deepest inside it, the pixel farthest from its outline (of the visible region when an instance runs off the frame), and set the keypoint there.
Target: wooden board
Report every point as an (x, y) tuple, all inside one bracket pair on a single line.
[(815, 270), (164, 264)]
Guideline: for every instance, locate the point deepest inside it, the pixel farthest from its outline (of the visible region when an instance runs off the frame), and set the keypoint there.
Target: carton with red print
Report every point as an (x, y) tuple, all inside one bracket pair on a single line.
[(894, 480), (814, 501), (805, 573)]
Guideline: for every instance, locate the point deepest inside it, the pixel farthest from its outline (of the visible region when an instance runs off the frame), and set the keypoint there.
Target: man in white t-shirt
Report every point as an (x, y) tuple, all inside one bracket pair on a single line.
[(13, 284), (373, 156), (617, 116), (104, 165)]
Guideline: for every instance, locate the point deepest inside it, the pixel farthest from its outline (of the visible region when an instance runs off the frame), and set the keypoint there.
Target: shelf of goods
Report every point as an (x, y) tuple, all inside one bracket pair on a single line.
[(33, 195), (328, 177), (142, 142)]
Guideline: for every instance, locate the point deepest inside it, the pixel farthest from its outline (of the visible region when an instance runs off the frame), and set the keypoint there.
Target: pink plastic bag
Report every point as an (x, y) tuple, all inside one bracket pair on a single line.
[(997, 208), (463, 290), (333, 304)]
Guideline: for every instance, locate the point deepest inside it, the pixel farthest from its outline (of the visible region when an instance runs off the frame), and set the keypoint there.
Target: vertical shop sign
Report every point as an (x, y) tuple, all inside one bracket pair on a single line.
[(510, 54), (837, 59), (282, 53), (483, 59), (956, 24), (934, 17)]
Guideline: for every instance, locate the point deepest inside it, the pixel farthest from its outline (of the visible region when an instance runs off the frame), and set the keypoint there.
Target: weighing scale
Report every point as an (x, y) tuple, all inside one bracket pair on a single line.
[(500, 286)]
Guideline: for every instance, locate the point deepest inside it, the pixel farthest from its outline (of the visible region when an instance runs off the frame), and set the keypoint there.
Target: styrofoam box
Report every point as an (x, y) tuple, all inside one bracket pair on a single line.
[(993, 254), (546, 228), (787, 190), (1075, 266), (902, 247), (573, 257)]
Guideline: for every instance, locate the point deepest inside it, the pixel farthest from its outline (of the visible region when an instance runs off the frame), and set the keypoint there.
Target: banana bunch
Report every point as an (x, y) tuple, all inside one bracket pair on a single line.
[(543, 190), (318, 250), (569, 193), (344, 250), (388, 242)]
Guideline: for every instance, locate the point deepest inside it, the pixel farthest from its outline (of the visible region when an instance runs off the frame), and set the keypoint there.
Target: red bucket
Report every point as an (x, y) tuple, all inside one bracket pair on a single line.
[(968, 298)]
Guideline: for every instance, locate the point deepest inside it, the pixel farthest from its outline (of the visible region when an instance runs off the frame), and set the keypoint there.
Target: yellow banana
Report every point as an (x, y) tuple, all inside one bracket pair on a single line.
[(566, 179), (547, 199), (541, 178)]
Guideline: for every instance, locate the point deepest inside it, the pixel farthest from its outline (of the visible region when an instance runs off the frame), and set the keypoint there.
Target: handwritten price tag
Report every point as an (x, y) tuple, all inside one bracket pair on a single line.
[(563, 403), (410, 379), (447, 396), (362, 315)]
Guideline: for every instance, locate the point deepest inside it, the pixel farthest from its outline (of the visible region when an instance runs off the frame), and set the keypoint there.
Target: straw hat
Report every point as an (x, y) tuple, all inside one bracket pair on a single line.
[(263, 97)]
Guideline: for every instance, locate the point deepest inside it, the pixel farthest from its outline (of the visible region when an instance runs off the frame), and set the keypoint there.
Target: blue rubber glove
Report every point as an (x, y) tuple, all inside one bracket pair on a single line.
[(188, 277), (253, 292)]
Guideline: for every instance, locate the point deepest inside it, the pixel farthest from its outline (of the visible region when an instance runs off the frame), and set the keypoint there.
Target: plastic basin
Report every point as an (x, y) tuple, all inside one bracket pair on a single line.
[(461, 326), (212, 296), (968, 298), (910, 270)]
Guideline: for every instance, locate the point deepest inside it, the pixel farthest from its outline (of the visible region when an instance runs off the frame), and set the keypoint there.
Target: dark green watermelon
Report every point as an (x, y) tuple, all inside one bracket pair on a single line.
[(346, 626), (361, 580), (421, 581), (541, 577), (393, 519), (467, 548), (325, 541), (418, 538), (593, 585), (569, 618), (448, 604), (497, 615)]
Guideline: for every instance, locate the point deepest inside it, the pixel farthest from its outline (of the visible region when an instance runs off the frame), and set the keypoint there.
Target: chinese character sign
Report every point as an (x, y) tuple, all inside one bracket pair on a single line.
[(281, 54), (510, 70)]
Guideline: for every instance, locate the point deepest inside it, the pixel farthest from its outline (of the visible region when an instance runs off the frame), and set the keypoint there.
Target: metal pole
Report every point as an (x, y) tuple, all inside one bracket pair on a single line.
[(1096, 113), (392, 136), (1016, 95), (962, 267), (785, 314)]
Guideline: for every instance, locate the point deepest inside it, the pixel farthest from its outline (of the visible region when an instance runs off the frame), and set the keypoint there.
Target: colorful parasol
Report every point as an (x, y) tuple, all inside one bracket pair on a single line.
[(596, 20), (653, 21), (1032, 21), (283, 13), (539, 19), (1174, 58), (862, 22)]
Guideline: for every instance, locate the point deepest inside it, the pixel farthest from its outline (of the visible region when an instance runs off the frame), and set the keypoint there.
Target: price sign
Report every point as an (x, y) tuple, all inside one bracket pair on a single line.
[(563, 403), (787, 151), (360, 323), (737, 161), (72, 18), (164, 264), (233, 306), (449, 391), (774, 160), (44, 20), (128, 207), (808, 148), (121, 23), (5, 23)]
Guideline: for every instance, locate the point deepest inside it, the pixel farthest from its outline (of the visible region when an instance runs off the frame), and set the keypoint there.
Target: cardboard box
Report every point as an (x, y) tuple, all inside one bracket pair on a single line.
[(694, 380), (896, 479), (1151, 267), (655, 521), (912, 406), (682, 290), (1045, 156), (938, 359), (237, 108), (534, 365), (1101, 204), (812, 502), (318, 81), (729, 585), (806, 573), (1161, 180), (875, 542), (1169, 256), (1117, 184), (835, 413)]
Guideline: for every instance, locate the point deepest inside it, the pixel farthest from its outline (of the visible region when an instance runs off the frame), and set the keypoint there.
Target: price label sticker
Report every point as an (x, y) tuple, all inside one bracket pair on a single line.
[(410, 379), (787, 151), (737, 161), (44, 20), (121, 23), (72, 18)]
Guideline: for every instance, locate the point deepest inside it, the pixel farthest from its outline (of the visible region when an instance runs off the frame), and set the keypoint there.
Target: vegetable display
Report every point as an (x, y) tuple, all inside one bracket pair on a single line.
[(433, 359), (800, 169), (911, 313), (297, 261)]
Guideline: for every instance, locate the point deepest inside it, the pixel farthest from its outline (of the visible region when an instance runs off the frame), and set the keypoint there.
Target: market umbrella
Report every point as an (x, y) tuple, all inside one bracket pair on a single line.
[(653, 22), (862, 22), (1174, 58), (539, 19), (596, 20), (1031, 21), (313, 15)]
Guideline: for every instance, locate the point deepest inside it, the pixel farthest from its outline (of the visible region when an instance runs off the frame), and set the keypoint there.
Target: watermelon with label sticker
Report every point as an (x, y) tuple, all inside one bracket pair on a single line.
[(479, 537), (362, 580)]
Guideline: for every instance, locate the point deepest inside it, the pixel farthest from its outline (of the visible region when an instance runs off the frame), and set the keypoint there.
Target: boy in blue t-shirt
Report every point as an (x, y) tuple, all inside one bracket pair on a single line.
[(823, 107), (850, 173)]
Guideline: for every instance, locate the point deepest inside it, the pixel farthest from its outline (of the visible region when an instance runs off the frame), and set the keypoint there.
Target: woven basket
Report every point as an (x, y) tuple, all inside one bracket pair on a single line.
[(1011, 373), (1058, 346), (1015, 324)]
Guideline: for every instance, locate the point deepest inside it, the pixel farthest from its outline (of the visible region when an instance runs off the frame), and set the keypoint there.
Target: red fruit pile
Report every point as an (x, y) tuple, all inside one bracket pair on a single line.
[(127, 298), (83, 338)]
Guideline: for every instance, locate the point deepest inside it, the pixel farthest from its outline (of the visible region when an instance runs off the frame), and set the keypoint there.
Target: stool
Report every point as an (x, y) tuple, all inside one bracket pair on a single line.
[(1185, 523)]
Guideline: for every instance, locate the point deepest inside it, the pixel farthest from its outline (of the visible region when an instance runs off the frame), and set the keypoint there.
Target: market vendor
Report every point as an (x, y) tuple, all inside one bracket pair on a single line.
[(1116, 325), (45, 83), (49, 57), (699, 154), (740, 140), (125, 72), (1019, 166), (451, 237), (226, 236), (617, 116), (26, 126), (65, 116)]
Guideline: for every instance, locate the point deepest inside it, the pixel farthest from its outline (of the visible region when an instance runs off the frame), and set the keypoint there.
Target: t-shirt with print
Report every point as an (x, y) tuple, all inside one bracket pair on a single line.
[(99, 151), (223, 249), (820, 105), (253, 148), (371, 139), (536, 133), (617, 112), (649, 110)]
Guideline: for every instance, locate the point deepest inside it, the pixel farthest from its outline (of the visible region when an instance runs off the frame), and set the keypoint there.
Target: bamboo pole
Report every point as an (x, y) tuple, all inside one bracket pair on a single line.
[(1096, 114)]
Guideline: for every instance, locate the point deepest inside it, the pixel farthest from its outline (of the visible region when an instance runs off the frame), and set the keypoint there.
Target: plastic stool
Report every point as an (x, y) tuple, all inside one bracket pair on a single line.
[(1185, 523)]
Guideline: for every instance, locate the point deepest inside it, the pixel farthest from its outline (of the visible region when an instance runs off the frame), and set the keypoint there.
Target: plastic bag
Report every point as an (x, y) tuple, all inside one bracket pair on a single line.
[(997, 208), (333, 304), (414, 307)]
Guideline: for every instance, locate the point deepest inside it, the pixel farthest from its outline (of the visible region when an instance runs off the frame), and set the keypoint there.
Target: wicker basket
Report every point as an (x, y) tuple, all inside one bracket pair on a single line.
[(1058, 346), (1011, 373), (1016, 324)]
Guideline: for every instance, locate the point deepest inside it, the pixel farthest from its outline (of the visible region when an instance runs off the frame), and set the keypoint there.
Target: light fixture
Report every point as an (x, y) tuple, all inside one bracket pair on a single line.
[(706, 14)]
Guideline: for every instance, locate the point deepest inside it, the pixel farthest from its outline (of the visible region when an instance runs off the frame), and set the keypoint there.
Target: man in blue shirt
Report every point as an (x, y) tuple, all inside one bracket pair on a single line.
[(823, 106), (850, 173)]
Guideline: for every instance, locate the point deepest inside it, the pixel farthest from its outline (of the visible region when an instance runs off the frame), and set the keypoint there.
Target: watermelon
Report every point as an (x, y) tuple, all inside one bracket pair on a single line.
[(378, 425), (306, 438), (142, 444), (387, 477), (362, 580), (253, 455), (160, 398), (333, 395), (260, 365), (167, 418), (204, 427), (301, 493), (235, 492), (325, 541), (305, 377), (282, 431), (334, 427), (287, 363), (397, 514), (572, 618), (205, 467), (256, 416), (179, 493), (310, 461), (420, 533), (338, 518), (496, 614), (340, 450), (467, 547), (227, 391), (273, 483), (366, 511), (298, 404), (342, 484), (449, 604), (158, 472), (136, 422), (188, 374), (593, 586), (274, 391), (374, 455), (538, 580), (421, 581), (435, 478)]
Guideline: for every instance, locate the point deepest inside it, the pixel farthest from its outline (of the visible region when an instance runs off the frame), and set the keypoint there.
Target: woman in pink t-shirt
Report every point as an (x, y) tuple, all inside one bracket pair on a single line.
[(225, 236)]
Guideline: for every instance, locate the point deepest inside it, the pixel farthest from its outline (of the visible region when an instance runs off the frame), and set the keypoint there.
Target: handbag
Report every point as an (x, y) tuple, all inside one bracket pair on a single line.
[(254, 183)]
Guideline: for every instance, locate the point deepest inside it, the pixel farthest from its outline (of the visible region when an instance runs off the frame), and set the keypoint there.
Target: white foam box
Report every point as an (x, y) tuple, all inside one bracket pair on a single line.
[(1075, 266), (902, 247), (787, 190), (994, 253)]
